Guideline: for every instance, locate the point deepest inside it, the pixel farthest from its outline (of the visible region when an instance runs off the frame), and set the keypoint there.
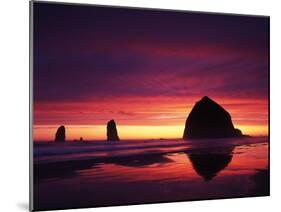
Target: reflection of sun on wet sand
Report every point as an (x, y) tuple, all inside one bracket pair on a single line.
[(160, 170)]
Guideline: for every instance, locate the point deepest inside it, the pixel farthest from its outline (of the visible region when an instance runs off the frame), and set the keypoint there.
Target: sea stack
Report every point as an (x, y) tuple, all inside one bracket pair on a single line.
[(60, 134), (112, 134), (208, 119)]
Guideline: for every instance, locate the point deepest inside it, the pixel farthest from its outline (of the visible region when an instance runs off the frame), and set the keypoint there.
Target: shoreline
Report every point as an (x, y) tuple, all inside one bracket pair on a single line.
[(110, 151)]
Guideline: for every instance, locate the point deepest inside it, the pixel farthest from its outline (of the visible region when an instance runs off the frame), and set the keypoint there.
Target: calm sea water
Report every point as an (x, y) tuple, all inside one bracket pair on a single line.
[(93, 174)]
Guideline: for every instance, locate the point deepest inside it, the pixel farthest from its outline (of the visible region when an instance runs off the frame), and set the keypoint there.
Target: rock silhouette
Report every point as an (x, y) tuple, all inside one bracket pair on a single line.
[(208, 119), (112, 134), (60, 134)]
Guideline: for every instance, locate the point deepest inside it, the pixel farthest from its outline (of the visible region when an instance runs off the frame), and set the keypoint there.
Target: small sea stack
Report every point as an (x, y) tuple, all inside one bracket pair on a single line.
[(60, 134), (111, 133), (208, 119)]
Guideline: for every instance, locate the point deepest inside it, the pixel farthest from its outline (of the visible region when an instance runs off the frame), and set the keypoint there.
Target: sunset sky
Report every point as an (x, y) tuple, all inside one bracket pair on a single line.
[(145, 69)]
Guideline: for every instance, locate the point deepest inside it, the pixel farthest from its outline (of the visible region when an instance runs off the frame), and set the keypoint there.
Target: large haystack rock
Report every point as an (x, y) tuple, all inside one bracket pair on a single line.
[(208, 119)]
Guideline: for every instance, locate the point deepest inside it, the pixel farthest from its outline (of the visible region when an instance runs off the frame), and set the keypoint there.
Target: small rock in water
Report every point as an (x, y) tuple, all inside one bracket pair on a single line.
[(112, 134), (60, 134)]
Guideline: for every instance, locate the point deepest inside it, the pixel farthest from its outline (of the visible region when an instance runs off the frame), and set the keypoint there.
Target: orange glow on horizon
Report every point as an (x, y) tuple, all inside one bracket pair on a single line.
[(140, 118), (136, 132)]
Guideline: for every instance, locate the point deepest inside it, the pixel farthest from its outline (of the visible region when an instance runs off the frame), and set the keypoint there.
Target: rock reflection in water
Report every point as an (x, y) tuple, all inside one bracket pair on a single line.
[(210, 162)]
